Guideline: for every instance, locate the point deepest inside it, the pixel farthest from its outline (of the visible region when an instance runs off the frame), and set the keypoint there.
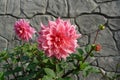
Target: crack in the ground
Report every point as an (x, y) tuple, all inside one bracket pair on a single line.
[(68, 7), (98, 13), (4, 38), (116, 42), (93, 13), (47, 6), (102, 2)]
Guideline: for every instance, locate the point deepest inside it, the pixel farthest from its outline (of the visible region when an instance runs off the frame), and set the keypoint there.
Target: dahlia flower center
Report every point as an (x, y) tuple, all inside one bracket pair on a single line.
[(57, 39), (21, 30)]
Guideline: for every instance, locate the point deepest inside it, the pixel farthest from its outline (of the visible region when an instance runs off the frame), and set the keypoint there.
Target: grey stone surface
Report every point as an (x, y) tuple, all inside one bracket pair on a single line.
[(111, 8), (92, 61), (57, 7), (94, 77), (37, 20), (6, 27), (83, 40), (77, 7), (74, 77), (103, 0), (85, 14), (109, 63), (72, 21), (105, 39), (114, 24), (3, 6), (32, 7), (3, 44), (89, 23), (12, 44), (13, 7), (117, 38)]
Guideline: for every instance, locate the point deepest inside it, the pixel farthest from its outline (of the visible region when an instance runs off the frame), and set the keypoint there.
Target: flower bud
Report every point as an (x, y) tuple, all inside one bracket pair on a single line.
[(93, 45), (101, 27), (97, 47)]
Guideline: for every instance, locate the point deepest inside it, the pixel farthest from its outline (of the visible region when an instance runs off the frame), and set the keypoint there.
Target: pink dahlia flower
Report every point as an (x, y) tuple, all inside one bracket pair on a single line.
[(58, 39), (23, 30)]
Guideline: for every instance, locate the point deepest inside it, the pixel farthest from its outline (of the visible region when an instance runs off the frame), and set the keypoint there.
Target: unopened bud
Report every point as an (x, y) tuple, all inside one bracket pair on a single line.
[(101, 27), (97, 47), (93, 46)]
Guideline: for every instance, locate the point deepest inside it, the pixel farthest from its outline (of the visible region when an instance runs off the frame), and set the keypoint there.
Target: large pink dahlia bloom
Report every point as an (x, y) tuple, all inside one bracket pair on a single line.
[(58, 39), (23, 30)]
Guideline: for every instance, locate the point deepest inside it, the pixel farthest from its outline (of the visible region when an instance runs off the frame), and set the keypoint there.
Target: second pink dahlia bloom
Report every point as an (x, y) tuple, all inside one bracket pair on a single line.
[(58, 39), (23, 30)]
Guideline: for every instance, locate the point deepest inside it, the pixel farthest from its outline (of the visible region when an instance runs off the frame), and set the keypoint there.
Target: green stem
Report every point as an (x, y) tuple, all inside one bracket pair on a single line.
[(96, 36), (88, 54), (71, 71)]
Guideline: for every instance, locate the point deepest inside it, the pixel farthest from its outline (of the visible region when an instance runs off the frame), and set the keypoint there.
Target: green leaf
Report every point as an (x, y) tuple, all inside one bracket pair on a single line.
[(35, 60), (91, 55), (88, 48), (81, 52), (32, 66), (75, 56), (117, 76), (27, 77), (8, 72), (66, 78), (58, 67), (95, 70), (47, 78), (1, 76), (24, 58), (90, 69), (81, 58), (86, 71), (59, 71), (3, 55), (83, 65), (17, 69), (49, 72), (45, 60), (60, 79)]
